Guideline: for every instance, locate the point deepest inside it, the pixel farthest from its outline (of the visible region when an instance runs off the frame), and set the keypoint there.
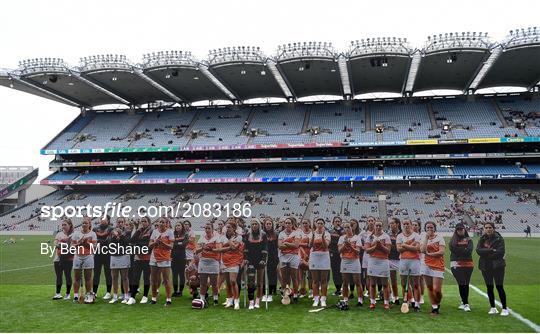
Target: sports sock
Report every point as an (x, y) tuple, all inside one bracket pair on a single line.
[(372, 300)]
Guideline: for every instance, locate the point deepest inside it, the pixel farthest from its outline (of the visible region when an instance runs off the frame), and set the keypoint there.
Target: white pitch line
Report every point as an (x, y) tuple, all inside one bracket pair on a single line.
[(25, 268), (516, 315)]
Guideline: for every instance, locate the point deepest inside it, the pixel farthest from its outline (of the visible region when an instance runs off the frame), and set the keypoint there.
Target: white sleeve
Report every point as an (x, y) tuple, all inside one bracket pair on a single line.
[(154, 235), (327, 237), (399, 239), (441, 240), (341, 240)]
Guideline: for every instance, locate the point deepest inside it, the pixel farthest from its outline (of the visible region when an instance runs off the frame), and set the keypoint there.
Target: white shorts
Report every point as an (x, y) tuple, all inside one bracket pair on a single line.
[(208, 266), (365, 260), (427, 271), (350, 266), (120, 262), (319, 261), (159, 264), (290, 260), (394, 265), (233, 269), (412, 265), (189, 254), (83, 262), (378, 267)]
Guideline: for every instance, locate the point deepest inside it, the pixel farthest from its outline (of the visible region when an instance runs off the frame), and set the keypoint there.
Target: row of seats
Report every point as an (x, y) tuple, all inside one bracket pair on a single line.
[(510, 208), (303, 123), (296, 172)]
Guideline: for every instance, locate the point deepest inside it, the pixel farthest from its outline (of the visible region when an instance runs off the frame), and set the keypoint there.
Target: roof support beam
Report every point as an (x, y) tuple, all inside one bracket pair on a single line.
[(279, 78), (218, 83), (164, 90), (100, 88), (344, 74), (413, 71), (46, 91), (484, 69)]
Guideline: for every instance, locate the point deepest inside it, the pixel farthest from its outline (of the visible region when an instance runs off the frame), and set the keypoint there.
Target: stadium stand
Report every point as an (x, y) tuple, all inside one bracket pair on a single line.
[(303, 123), (162, 174), (415, 170), (486, 169)]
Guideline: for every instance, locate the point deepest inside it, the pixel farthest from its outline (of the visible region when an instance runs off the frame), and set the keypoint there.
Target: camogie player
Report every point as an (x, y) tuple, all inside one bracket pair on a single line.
[(393, 257), (103, 231), (256, 255), (141, 265), (378, 247), (335, 260), (288, 243), (273, 258), (232, 249), (349, 245), (433, 247), (303, 270), (83, 261), (63, 263), (178, 264), (319, 262), (408, 245), (417, 228), (461, 248), (120, 263), (364, 237), (192, 243), (209, 257), (161, 244)]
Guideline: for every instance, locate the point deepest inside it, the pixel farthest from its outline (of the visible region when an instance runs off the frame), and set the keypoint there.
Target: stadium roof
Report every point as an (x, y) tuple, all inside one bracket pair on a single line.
[(461, 61)]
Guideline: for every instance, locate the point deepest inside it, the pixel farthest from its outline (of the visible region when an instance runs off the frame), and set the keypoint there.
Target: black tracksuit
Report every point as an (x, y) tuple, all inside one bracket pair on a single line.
[(461, 255), (141, 262), (178, 264), (102, 260), (491, 250)]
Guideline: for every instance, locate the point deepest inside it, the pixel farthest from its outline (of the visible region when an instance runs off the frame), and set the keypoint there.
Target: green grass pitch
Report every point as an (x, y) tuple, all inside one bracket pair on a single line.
[(26, 305)]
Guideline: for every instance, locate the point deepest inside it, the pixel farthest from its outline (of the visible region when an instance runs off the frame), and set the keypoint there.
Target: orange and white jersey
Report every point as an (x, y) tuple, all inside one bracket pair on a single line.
[(213, 241), (348, 252), (78, 237), (384, 239), (434, 245), (316, 240), (289, 237), (233, 257), (192, 243), (162, 252), (304, 239), (60, 238), (409, 240)]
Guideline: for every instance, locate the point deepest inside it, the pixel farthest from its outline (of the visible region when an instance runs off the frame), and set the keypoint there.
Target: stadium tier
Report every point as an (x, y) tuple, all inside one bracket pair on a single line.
[(511, 208), (337, 123), (15, 180), (299, 174)]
